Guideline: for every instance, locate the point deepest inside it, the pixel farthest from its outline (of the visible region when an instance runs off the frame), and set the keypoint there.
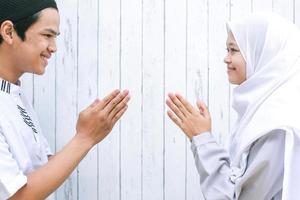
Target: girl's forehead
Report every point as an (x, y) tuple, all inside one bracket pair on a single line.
[(230, 40)]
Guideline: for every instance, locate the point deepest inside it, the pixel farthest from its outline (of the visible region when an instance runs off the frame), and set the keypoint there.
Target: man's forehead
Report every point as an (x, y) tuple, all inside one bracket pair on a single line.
[(48, 21)]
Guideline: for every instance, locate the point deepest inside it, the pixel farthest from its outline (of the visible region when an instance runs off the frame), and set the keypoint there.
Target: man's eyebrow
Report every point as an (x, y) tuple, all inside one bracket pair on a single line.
[(53, 32)]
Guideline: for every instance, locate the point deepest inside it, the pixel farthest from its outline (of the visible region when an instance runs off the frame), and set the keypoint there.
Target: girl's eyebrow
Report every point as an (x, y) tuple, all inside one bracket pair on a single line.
[(231, 44)]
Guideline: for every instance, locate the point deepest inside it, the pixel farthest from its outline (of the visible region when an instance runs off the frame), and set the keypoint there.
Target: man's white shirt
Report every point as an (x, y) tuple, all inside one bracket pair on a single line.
[(23, 147)]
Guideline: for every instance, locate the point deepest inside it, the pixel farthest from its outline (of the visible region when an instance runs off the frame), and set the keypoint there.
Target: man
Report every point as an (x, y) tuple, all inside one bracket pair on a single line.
[(28, 30)]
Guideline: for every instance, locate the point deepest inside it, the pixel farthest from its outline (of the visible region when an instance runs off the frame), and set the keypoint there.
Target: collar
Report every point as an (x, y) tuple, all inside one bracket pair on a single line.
[(10, 88)]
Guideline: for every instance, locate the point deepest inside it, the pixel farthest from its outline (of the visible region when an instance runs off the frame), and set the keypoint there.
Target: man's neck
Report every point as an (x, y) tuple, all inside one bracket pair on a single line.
[(7, 69)]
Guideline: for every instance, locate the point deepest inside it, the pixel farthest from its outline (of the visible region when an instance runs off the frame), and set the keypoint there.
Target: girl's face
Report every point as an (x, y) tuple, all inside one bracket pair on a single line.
[(236, 65)]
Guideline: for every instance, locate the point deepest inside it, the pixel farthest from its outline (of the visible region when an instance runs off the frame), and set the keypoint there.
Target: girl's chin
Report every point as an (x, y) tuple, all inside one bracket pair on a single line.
[(232, 80)]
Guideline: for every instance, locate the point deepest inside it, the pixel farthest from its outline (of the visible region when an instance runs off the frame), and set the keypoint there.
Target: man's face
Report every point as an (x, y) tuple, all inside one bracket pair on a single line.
[(33, 53)]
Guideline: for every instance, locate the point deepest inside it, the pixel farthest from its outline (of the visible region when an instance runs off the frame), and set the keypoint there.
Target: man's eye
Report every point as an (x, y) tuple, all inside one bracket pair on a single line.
[(48, 35)]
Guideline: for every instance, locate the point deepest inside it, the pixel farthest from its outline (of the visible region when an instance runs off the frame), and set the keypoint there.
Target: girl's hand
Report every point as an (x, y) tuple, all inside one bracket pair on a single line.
[(191, 120)]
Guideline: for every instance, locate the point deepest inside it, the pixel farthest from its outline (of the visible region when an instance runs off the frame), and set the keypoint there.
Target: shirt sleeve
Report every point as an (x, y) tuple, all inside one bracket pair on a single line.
[(213, 165), (46, 146), (11, 177), (261, 180)]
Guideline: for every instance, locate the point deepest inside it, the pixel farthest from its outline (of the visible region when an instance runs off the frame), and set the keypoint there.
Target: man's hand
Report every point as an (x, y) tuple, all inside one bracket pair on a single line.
[(94, 123), (192, 121), (97, 120)]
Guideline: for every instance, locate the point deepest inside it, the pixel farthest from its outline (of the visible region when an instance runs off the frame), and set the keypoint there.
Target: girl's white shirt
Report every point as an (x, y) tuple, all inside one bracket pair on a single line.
[(260, 177)]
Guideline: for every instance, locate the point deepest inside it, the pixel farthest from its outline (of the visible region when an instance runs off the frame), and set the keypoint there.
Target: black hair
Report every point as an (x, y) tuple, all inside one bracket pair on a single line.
[(22, 25)]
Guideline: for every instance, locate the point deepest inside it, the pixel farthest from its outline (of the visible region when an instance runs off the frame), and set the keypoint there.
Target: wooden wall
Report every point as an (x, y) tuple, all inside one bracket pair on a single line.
[(150, 47)]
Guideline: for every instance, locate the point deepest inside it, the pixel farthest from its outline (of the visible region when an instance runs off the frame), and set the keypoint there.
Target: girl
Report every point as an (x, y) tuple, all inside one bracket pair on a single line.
[(262, 161)]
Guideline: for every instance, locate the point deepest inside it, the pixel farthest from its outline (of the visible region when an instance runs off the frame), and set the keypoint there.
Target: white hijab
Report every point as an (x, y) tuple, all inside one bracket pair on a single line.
[(270, 97)]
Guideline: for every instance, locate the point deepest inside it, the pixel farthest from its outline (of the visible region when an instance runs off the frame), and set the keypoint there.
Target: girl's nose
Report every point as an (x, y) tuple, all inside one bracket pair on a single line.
[(227, 59)]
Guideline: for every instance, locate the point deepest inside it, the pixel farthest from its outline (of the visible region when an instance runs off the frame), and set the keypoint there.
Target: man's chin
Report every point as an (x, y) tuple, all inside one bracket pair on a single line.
[(40, 71)]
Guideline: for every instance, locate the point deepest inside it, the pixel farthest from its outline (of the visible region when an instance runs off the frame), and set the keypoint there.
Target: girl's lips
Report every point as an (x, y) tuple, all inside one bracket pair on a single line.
[(230, 68)]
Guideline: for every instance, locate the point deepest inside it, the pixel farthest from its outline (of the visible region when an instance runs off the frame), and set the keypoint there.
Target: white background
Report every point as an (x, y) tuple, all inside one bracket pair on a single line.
[(150, 47)]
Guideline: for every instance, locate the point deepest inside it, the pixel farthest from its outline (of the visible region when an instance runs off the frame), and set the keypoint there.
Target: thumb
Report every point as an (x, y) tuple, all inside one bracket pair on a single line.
[(203, 109)]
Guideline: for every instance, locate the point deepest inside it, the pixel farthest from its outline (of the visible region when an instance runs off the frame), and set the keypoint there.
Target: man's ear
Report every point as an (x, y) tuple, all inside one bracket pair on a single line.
[(7, 31)]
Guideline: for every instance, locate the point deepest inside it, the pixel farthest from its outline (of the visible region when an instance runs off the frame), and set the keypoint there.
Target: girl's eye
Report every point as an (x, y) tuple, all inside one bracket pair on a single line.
[(231, 50)]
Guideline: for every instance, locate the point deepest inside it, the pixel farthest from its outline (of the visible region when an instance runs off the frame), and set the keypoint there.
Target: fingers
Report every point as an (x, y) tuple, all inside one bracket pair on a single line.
[(103, 103), (185, 103), (119, 115), (175, 119), (178, 104), (202, 107), (175, 109), (119, 107), (113, 103)]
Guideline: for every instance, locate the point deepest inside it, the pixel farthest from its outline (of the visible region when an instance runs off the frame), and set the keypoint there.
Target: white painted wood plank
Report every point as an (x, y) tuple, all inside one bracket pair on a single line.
[(44, 102), (109, 79), (66, 88), (27, 86), (175, 81), (218, 80), (297, 13), (285, 8), (153, 100), (197, 78), (131, 130), (262, 5), (239, 8), (87, 89)]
